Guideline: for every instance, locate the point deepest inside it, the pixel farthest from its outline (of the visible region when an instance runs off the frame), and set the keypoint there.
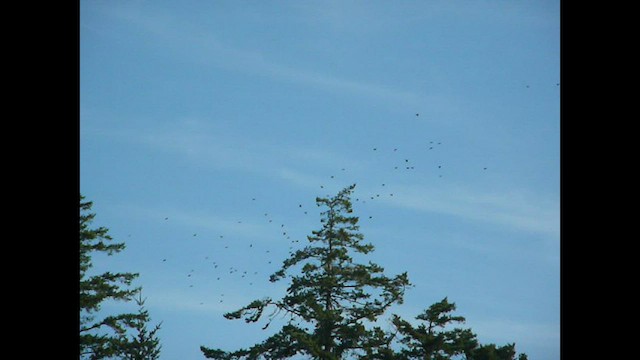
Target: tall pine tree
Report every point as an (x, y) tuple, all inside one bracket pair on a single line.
[(333, 295), (433, 340), (103, 337), (144, 343)]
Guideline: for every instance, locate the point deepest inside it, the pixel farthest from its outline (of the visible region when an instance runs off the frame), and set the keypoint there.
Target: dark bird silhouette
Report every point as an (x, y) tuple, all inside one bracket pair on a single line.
[(166, 218), (195, 234), (163, 260), (417, 114), (484, 169)]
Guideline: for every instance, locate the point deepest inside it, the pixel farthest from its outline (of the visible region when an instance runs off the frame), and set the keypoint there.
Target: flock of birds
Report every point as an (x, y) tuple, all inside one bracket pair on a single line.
[(219, 261)]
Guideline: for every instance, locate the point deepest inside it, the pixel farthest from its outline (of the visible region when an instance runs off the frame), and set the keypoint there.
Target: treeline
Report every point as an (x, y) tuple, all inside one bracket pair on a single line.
[(332, 303)]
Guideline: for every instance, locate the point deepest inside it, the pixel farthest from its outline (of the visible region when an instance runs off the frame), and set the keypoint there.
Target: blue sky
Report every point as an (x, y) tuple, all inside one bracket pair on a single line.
[(229, 118)]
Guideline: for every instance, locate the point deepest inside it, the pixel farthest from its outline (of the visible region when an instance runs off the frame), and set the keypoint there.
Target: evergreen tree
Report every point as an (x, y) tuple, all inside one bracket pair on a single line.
[(101, 338), (335, 296), (144, 345), (430, 340)]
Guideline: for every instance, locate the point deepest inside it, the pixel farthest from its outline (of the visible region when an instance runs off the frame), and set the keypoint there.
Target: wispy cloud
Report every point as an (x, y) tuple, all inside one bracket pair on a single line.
[(510, 208), (198, 220), (200, 144), (204, 47)]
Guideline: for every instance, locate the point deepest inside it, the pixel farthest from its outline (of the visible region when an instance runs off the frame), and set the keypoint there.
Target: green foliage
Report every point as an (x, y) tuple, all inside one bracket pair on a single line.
[(339, 300), (493, 352), (144, 345), (105, 337), (431, 341), (332, 293)]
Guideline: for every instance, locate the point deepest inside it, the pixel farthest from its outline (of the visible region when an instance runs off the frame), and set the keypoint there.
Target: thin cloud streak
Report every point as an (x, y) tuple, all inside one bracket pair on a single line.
[(514, 209), (198, 220), (209, 50), (198, 143), (511, 209)]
